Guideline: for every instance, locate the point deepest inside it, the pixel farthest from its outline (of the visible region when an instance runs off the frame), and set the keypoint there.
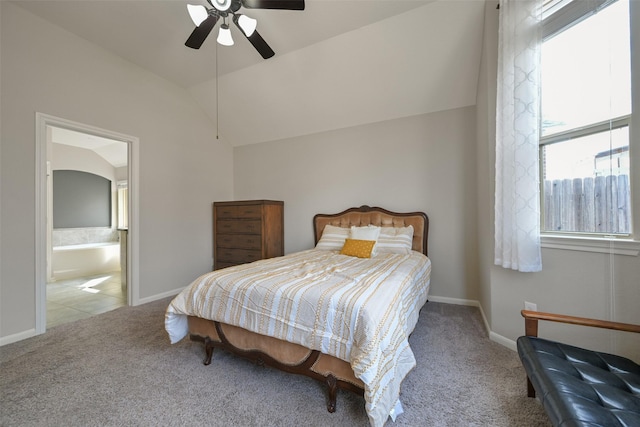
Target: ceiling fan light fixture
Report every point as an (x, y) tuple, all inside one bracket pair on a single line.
[(224, 10), (197, 13), (224, 36), (221, 5), (247, 24)]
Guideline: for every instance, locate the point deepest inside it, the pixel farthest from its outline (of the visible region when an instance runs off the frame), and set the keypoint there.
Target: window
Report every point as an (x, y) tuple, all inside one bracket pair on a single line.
[(123, 205), (586, 113)]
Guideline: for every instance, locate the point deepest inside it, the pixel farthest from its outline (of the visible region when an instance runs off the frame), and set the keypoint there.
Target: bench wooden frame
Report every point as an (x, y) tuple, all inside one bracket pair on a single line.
[(531, 319)]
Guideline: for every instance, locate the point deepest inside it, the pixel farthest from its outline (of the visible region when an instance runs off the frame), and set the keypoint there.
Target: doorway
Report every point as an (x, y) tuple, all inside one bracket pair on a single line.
[(78, 271), (87, 225)]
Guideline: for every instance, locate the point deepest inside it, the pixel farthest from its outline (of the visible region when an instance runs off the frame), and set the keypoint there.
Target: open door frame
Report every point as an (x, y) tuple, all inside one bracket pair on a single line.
[(133, 150)]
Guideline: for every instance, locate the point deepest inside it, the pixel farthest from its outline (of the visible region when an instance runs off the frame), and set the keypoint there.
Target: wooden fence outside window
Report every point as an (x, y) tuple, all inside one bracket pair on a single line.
[(593, 205)]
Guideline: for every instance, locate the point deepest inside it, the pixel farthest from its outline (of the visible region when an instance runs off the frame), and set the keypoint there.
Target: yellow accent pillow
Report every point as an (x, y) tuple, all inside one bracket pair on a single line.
[(358, 248)]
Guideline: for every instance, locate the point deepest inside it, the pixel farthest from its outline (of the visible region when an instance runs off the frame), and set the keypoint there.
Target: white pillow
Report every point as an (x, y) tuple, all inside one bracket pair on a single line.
[(395, 240), (332, 238), (370, 232)]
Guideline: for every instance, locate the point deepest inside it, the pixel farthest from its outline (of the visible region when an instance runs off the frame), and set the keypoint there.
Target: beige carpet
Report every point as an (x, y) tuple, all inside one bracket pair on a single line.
[(118, 369)]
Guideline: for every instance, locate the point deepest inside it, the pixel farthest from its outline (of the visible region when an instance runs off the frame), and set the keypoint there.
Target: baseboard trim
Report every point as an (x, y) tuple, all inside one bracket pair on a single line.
[(10, 339), (497, 338), (159, 296), (510, 344), (456, 301)]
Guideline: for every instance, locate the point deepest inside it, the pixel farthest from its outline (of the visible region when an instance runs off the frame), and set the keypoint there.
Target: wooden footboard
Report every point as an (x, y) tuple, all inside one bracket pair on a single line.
[(262, 350)]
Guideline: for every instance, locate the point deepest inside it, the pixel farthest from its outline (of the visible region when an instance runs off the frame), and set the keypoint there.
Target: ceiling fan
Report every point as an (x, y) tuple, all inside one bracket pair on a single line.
[(205, 19)]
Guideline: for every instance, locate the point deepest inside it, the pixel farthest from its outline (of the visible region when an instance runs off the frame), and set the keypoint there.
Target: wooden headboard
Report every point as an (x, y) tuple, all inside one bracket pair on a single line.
[(367, 215)]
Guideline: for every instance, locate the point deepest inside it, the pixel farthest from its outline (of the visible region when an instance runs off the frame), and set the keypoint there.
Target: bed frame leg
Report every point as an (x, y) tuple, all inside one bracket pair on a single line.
[(332, 384), (208, 348)]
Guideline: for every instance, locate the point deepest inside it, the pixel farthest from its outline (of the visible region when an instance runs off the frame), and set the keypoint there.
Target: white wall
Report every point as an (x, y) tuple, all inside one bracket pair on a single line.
[(598, 285), (182, 169), (420, 163), (80, 159)]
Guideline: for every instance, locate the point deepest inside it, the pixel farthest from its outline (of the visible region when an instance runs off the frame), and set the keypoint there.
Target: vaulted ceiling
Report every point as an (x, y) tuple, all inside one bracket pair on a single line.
[(338, 63)]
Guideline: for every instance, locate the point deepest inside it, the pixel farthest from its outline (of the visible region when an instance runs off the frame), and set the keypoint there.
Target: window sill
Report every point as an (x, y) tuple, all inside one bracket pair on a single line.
[(615, 246)]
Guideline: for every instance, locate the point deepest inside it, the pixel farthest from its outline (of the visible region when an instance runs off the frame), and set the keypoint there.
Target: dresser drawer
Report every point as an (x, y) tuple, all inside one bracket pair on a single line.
[(220, 265), (239, 226), (240, 241), (237, 256), (240, 212)]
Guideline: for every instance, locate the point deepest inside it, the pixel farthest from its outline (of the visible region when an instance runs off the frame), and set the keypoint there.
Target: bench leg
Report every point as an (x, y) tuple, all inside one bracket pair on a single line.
[(531, 392)]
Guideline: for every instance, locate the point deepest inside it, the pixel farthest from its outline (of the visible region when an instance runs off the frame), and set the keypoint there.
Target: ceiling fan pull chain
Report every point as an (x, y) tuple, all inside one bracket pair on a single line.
[(217, 121)]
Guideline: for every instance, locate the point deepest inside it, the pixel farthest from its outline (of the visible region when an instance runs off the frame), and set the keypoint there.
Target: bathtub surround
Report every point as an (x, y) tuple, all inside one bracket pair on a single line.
[(79, 252), (73, 261), (83, 236)]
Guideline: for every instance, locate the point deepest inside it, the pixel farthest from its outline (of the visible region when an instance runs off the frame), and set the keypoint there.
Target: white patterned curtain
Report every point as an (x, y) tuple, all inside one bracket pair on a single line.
[(517, 204)]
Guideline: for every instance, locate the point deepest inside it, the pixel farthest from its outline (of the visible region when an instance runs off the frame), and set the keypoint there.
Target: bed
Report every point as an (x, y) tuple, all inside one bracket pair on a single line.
[(328, 315)]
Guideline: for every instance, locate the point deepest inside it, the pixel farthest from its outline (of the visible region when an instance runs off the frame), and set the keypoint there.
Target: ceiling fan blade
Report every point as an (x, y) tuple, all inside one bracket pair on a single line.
[(261, 46), (201, 32), (256, 40), (274, 4)]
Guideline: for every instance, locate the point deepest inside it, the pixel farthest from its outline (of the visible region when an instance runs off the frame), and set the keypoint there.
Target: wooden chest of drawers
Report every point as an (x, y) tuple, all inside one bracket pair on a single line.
[(247, 231)]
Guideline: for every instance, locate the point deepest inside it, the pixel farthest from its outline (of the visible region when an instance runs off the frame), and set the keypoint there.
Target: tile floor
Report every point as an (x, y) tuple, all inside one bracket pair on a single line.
[(75, 299)]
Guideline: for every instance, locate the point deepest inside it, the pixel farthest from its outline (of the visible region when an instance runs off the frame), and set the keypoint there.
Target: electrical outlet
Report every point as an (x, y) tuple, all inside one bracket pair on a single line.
[(530, 306)]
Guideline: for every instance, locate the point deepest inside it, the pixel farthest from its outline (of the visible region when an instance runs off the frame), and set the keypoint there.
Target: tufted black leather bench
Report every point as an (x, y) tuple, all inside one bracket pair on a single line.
[(580, 387)]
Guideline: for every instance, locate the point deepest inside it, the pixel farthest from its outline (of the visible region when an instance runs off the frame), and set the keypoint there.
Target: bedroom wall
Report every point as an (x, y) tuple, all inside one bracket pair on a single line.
[(81, 159), (182, 169), (572, 282), (419, 163)]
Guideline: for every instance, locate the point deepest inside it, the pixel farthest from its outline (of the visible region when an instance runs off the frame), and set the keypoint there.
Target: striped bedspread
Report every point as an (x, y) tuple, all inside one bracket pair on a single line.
[(359, 310)]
